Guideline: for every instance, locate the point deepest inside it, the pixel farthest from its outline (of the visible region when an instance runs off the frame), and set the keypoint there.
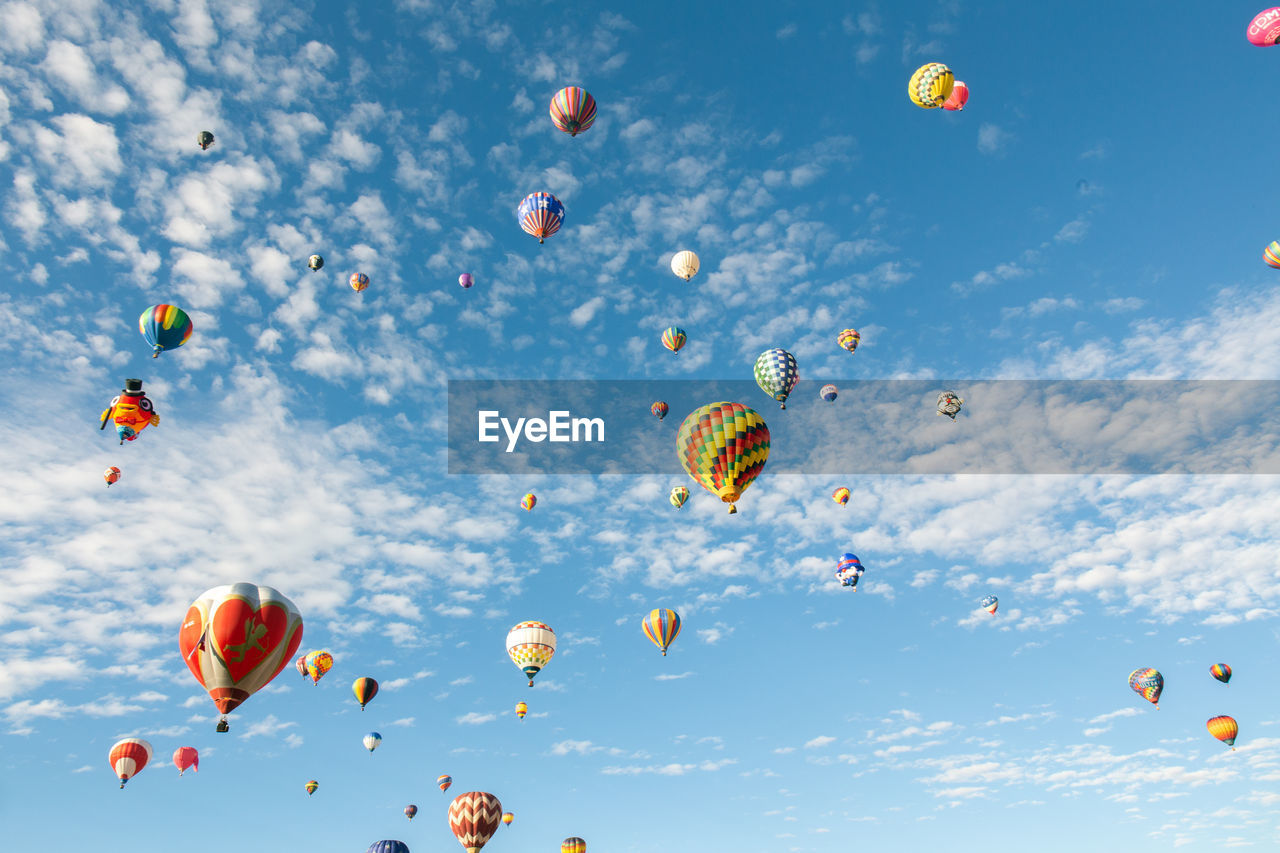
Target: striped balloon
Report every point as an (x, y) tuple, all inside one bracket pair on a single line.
[(673, 338), (528, 502), (573, 110), (444, 780), (1271, 254), (312, 786), (365, 689), (1224, 729), (507, 818), (389, 845), (662, 627), (540, 214), (573, 845), (678, 496), (848, 339), (1221, 671), (521, 710), (474, 817), (111, 475), (128, 757), (659, 409), (531, 645), (1147, 683), (165, 327), (723, 447)]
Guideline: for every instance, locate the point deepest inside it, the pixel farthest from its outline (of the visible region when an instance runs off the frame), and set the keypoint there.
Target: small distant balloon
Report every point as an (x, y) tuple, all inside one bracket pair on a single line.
[(204, 140), (1271, 254), (365, 689), (312, 787), (410, 811), (678, 496), (685, 264), (390, 845), (931, 85), (989, 603), (776, 373), (128, 757), (540, 215), (662, 626), (359, 281), (507, 817), (301, 665), (371, 741), (659, 409), (186, 757), (444, 780), (165, 327), (848, 339), (673, 338), (465, 281), (521, 710), (949, 404), (573, 845), (1221, 671), (841, 495), (1147, 683), (318, 663), (111, 475), (528, 502), (315, 262), (1264, 29), (573, 110), (828, 393), (1224, 729)]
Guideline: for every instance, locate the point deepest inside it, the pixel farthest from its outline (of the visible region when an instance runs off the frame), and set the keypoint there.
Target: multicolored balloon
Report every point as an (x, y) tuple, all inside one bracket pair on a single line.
[(128, 757), (573, 110), (989, 603), (165, 327), (776, 374), (359, 281), (521, 710), (528, 502), (131, 411), (315, 262), (678, 496), (949, 404), (318, 663), (958, 98), (410, 810), (371, 741), (662, 627), (236, 638), (1221, 671), (573, 845), (184, 757), (365, 689), (531, 645), (1224, 729), (465, 280), (1271, 254), (685, 264), (659, 410), (444, 780), (1264, 29), (673, 338), (389, 845), (931, 85), (841, 495), (723, 446), (312, 787), (849, 339), (1147, 683), (474, 818), (204, 139), (828, 393), (540, 214), (507, 818), (111, 475)]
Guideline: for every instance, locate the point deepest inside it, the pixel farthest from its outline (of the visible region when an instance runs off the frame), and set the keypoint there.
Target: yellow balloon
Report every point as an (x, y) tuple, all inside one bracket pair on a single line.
[(931, 85)]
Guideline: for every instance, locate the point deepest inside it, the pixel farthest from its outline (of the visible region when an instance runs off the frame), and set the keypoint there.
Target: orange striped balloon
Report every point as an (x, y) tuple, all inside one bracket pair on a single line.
[(1224, 729), (662, 627), (573, 845)]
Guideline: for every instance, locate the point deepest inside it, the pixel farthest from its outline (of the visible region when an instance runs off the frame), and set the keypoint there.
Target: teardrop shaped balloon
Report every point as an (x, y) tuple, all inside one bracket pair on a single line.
[(528, 502), (1221, 671), (410, 810), (358, 281), (573, 845), (236, 638), (531, 645), (659, 409), (931, 85), (723, 447), (841, 496), (776, 374), (521, 710), (128, 757), (540, 214), (204, 139), (371, 741), (829, 393), (111, 475), (165, 327), (301, 665), (958, 98), (444, 780), (1147, 683), (573, 110), (186, 757), (662, 626), (312, 787), (678, 496), (989, 603), (507, 818), (685, 264), (849, 339), (673, 338), (365, 689), (474, 817), (318, 663), (1224, 729)]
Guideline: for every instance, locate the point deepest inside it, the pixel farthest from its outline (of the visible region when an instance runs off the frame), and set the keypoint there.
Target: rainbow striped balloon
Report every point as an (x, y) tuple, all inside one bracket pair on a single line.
[(662, 627), (165, 327), (1271, 254), (540, 214), (1221, 671), (573, 110), (673, 338)]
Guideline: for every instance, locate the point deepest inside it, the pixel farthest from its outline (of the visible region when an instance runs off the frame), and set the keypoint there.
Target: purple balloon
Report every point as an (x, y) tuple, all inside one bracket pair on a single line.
[(465, 279)]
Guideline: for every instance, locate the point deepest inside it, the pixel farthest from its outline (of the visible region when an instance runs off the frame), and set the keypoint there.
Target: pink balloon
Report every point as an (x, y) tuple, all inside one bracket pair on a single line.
[(1264, 30), (465, 279)]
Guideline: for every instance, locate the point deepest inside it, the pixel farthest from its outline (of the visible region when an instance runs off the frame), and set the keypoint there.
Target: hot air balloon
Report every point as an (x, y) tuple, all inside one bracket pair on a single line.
[(949, 404), (531, 645), (841, 496), (521, 709), (931, 85), (390, 845), (410, 811), (365, 689), (128, 757), (131, 411), (1223, 728), (828, 393), (315, 262), (1264, 29), (776, 374), (236, 638), (673, 338), (1221, 671), (662, 627), (989, 603), (528, 502), (678, 496), (301, 665), (474, 818), (573, 110), (1147, 683), (958, 98), (318, 663), (444, 780), (371, 741), (848, 339), (723, 447), (849, 570), (685, 264), (573, 845), (165, 327), (184, 757), (359, 281), (659, 410), (312, 787), (540, 214), (507, 818), (204, 139), (111, 475), (1271, 254), (465, 280)]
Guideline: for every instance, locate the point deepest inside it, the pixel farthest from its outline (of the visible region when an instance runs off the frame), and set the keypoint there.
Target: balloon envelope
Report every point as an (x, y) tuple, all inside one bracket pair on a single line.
[(1147, 683), (1224, 729), (573, 110), (474, 817), (315, 262), (540, 214), (371, 741), (359, 281), (318, 663), (165, 327), (673, 338), (389, 846), (849, 339), (365, 689), (410, 811), (723, 447), (1221, 671), (528, 502), (531, 645), (1271, 254), (659, 409), (1264, 29), (573, 845), (444, 780), (685, 264), (828, 393), (111, 475), (958, 98), (184, 757), (521, 710), (841, 496), (989, 603), (776, 373), (931, 85), (312, 787), (465, 280), (678, 496), (128, 757), (662, 627)]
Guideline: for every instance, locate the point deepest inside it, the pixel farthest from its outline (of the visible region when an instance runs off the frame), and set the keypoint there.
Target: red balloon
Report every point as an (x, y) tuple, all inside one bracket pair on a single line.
[(128, 757), (474, 818), (184, 757)]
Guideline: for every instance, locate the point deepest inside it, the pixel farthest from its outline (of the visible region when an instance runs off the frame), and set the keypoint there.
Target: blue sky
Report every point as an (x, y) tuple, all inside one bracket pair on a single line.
[(1098, 211)]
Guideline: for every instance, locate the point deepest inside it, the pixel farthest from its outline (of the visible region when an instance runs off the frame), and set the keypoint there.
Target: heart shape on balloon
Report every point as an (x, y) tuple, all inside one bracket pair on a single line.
[(245, 636)]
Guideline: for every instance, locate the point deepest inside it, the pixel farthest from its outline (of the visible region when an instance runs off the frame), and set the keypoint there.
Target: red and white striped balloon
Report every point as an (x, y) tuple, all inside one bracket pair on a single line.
[(128, 757)]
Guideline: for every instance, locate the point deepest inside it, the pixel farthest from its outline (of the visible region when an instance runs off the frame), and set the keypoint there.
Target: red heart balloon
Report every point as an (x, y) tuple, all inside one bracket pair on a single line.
[(189, 637), (244, 637)]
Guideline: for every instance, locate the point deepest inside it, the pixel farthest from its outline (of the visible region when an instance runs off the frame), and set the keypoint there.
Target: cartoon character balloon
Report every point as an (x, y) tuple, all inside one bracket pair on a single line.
[(849, 339), (673, 338), (841, 495), (204, 139), (659, 409), (723, 447), (776, 374), (131, 411), (931, 85), (128, 757), (165, 327), (573, 110), (685, 264), (365, 689), (531, 645), (236, 638), (1147, 683), (949, 404), (186, 757), (474, 817), (540, 214), (678, 496), (989, 603), (111, 475), (1224, 729), (1264, 29), (662, 627), (1221, 671)]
